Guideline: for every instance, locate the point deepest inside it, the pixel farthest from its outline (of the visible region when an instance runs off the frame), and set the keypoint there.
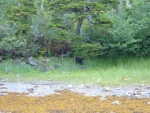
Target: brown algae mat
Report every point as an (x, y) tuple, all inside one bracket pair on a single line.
[(69, 102)]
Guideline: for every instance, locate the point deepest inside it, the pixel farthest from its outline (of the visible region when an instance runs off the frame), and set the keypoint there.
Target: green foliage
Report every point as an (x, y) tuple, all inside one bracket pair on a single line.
[(87, 50), (19, 12), (13, 45), (84, 26), (130, 33), (125, 35)]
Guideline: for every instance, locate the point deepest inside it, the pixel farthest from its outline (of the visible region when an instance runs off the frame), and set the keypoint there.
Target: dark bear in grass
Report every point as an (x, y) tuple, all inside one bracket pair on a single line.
[(79, 60), (1, 55)]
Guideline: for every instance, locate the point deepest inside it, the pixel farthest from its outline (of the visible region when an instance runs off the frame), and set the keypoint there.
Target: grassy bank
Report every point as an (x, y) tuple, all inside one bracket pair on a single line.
[(121, 71)]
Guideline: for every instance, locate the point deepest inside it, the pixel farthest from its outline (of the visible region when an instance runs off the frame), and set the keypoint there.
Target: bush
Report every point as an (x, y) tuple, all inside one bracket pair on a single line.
[(13, 46)]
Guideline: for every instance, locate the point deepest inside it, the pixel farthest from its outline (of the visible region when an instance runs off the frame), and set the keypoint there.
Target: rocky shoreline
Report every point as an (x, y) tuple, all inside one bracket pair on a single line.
[(43, 88)]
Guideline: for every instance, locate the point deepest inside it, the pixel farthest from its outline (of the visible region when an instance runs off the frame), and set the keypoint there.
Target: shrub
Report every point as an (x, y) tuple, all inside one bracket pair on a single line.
[(13, 46)]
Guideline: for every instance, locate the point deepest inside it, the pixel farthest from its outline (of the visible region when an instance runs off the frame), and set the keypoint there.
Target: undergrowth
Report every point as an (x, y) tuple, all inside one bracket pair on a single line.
[(121, 71)]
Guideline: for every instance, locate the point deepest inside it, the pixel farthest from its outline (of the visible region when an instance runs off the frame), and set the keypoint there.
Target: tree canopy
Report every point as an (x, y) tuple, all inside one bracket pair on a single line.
[(85, 28)]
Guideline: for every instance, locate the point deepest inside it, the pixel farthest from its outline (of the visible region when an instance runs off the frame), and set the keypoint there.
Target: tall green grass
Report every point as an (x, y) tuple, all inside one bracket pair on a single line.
[(121, 71)]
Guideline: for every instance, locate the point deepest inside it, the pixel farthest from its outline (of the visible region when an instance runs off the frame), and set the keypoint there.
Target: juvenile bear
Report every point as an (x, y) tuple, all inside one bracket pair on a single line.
[(79, 60)]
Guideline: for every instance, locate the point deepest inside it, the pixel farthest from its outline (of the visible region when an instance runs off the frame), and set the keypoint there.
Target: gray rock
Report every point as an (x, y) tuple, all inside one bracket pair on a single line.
[(30, 89), (30, 58), (116, 103), (33, 63)]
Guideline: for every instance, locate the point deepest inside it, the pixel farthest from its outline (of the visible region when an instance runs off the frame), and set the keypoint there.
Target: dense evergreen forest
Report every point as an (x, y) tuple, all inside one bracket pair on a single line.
[(83, 28)]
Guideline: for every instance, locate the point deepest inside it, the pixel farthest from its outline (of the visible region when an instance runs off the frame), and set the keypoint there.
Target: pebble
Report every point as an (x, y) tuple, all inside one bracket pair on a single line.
[(148, 103), (113, 94), (106, 89), (116, 103), (137, 96), (142, 85), (1, 95), (103, 98), (82, 86), (30, 89), (69, 86)]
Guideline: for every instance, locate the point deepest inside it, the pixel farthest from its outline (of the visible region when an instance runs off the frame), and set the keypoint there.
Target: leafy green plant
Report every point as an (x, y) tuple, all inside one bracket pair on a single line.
[(13, 46)]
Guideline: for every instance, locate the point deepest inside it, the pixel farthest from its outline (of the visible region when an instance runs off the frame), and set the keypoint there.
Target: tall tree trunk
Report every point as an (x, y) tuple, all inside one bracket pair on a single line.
[(119, 7), (79, 27)]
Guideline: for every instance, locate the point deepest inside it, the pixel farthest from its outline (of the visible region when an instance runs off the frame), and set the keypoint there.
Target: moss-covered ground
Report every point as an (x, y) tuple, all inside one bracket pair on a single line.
[(69, 102)]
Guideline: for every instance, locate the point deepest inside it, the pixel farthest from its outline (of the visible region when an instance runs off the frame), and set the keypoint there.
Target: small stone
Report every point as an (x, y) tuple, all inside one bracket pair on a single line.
[(30, 58), (33, 63), (69, 86), (116, 103), (1, 95), (136, 84), (148, 103), (106, 89), (103, 98), (113, 94), (82, 86), (137, 96), (129, 93), (87, 86), (30, 89), (142, 85)]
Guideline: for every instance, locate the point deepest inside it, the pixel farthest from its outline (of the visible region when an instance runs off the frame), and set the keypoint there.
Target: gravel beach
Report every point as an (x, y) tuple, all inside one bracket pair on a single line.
[(43, 88)]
